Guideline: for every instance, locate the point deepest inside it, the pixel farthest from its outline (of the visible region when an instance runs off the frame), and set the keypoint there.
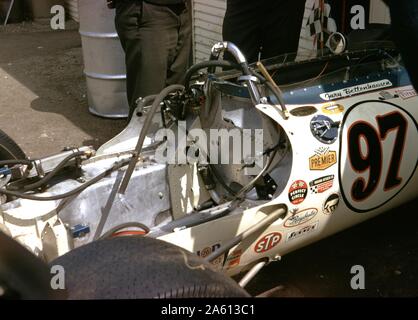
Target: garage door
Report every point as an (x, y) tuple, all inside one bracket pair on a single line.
[(71, 7), (208, 18)]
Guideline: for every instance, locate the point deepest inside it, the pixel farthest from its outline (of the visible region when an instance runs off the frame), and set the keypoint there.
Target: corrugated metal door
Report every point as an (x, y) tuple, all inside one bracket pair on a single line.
[(71, 7), (208, 18), (379, 12)]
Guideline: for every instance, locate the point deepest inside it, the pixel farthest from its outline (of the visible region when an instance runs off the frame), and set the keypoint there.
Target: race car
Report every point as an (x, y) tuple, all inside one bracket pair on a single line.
[(221, 175)]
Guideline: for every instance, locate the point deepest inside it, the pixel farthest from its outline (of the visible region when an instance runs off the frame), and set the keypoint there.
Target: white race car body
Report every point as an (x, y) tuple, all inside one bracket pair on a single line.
[(351, 155)]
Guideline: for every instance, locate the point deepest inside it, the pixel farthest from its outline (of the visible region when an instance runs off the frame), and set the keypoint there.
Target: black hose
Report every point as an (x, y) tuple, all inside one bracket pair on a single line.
[(75, 191), (52, 174), (251, 184), (147, 124), (123, 226), (14, 162), (208, 64)]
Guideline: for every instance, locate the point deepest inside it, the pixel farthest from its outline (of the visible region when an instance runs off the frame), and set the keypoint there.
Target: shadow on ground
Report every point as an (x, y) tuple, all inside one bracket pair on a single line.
[(43, 103)]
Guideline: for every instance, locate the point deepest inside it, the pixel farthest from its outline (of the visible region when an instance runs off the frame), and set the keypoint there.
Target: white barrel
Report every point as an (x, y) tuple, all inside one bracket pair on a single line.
[(104, 60)]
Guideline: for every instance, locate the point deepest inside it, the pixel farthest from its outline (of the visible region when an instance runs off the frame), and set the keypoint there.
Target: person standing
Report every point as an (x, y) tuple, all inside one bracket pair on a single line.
[(263, 28), (156, 38)]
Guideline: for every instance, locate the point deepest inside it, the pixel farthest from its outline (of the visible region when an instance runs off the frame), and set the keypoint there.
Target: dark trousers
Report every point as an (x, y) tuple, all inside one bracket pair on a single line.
[(404, 14), (272, 26), (157, 45)]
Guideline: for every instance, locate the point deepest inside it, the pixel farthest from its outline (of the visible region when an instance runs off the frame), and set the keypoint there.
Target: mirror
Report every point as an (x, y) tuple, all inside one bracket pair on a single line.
[(337, 43)]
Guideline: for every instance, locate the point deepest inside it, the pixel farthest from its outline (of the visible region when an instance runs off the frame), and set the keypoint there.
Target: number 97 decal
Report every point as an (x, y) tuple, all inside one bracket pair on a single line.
[(378, 154)]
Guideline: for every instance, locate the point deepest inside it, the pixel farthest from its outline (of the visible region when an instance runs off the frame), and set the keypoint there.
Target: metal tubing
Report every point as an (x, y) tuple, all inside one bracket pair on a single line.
[(252, 273), (253, 229)]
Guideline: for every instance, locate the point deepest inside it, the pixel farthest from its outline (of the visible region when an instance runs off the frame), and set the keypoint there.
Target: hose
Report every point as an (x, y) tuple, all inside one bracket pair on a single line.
[(113, 230), (73, 192), (251, 184), (52, 174), (208, 64), (147, 124), (14, 162), (144, 101)]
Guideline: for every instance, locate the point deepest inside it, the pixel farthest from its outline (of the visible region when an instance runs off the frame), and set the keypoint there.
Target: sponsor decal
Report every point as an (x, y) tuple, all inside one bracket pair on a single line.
[(300, 217), (385, 95), (332, 108), (208, 250), (234, 259), (268, 242), (359, 89), (321, 185), (406, 94), (303, 111), (298, 192), (323, 159), (331, 204), (302, 232), (324, 129)]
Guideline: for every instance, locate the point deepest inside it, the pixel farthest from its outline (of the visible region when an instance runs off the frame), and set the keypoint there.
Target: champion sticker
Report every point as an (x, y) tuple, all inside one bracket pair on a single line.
[(359, 89), (322, 184), (323, 159), (298, 192)]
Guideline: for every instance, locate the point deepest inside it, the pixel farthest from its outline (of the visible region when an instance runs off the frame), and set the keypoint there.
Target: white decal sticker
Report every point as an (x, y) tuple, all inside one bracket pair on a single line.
[(347, 92), (302, 232)]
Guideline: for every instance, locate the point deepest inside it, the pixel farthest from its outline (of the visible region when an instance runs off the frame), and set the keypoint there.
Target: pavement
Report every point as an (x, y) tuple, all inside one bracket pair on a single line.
[(43, 106), (43, 103)]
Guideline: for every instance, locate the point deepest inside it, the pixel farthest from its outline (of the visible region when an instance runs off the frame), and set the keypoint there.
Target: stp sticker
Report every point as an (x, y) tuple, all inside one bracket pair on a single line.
[(323, 159), (268, 242), (300, 217), (321, 185), (302, 232), (298, 192), (331, 204)]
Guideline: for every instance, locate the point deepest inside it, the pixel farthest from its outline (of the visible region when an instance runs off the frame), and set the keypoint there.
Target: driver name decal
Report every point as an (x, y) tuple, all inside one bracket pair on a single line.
[(268, 242), (359, 89)]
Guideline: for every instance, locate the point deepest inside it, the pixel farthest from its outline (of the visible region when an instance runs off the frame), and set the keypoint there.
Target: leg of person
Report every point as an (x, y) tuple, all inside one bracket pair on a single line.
[(281, 28), (180, 57), (127, 21), (404, 15), (158, 37), (242, 26)]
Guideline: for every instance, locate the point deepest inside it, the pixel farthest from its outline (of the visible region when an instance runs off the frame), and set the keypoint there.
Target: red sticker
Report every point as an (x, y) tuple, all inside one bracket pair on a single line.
[(298, 192), (268, 242)]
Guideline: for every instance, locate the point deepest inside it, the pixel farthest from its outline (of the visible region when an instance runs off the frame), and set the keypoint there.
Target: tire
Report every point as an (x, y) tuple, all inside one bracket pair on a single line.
[(141, 267), (9, 149)]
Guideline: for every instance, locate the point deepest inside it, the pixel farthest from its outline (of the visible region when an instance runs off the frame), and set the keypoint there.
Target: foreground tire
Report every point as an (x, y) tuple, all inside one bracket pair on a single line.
[(9, 149), (134, 268)]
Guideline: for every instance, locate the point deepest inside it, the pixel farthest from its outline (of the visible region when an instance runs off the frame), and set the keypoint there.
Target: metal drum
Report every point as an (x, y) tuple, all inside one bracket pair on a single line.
[(103, 60)]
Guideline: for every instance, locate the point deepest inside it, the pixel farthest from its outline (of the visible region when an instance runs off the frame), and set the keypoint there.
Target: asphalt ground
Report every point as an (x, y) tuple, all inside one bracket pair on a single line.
[(43, 106)]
